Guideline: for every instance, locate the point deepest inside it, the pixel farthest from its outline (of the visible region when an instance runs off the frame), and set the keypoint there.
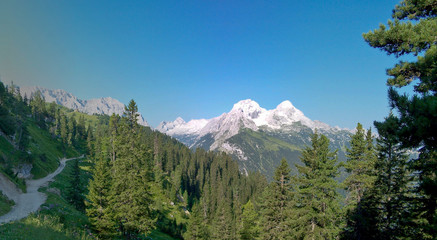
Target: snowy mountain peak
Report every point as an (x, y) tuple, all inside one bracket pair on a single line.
[(248, 108), (179, 121), (246, 105), (285, 105)]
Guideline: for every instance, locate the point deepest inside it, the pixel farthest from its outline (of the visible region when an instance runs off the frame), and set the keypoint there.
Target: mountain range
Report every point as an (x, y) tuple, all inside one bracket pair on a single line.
[(256, 137), (106, 105)]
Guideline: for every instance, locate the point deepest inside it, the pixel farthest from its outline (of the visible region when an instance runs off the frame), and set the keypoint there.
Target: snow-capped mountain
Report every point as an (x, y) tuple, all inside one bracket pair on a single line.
[(245, 114), (248, 131), (105, 105)]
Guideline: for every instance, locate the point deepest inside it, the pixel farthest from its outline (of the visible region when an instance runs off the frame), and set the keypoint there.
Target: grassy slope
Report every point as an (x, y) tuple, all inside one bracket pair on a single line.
[(5, 204), (265, 151), (8, 153), (46, 151)]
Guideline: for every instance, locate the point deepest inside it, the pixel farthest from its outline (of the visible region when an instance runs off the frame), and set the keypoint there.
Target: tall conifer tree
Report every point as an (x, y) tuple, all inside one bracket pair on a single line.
[(360, 164), (386, 206), (196, 229), (131, 196), (98, 199), (316, 212), (75, 190), (275, 204), (251, 228)]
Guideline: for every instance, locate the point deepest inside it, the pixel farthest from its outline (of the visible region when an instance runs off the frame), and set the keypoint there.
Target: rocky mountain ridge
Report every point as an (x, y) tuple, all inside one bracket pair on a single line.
[(106, 105)]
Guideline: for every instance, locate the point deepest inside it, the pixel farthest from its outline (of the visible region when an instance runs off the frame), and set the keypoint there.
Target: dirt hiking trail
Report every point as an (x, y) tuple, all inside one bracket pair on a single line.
[(26, 203)]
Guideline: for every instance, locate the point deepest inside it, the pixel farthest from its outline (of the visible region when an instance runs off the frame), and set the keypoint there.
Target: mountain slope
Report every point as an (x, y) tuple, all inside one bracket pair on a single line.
[(105, 105), (257, 138)]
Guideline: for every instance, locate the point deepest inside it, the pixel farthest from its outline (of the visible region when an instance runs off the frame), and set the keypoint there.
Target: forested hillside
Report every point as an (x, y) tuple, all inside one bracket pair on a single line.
[(34, 135)]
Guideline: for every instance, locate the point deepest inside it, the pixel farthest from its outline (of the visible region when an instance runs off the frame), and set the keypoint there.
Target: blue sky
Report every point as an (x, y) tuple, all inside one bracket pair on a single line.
[(195, 59)]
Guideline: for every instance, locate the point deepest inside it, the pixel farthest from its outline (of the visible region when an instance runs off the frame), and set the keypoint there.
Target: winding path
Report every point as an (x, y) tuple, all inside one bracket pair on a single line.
[(26, 203)]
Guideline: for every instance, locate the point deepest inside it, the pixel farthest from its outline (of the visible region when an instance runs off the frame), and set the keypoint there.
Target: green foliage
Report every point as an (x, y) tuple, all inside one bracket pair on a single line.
[(123, 201), (316, 212), (157, 235), (196, 227), (5, 204), (385, 208), (74, 192), (29, 141), (251, 228), (47, 150), (98, 199), (38, 107), (360, 165), (275, 204), (413, 32), (130, 192)]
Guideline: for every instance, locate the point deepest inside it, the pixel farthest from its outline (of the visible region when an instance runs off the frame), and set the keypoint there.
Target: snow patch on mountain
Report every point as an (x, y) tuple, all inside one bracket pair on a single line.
[(105, 105), (180, 127)]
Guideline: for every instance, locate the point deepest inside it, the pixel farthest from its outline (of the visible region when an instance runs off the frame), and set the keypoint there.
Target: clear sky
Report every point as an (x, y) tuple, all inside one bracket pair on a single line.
[(195, 59)]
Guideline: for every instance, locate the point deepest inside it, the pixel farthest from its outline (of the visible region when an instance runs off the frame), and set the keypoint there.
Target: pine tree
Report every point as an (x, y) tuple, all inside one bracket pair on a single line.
[(196, 228), (38, 107), (71, 131), (251, 228), (360, 164), (386, 207), (222, 222), (63, 129), (275, 204), (370, 154), (316, 212), (90, 141), (360, 160), (114, 122), (98, 199), (80, 129), (75, 190), (413, 32), (52, 110), (131, 113), (131, 197)]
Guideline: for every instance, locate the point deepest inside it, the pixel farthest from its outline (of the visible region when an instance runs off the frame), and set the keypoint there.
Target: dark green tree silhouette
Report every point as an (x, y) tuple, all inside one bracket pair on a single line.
[(413, 31)]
